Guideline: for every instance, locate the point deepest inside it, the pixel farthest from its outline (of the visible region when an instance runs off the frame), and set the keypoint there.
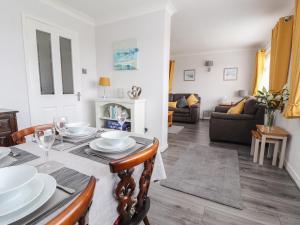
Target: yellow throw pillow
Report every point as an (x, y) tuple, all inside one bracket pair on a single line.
[(172, 104), (192, 100), (238, 109)]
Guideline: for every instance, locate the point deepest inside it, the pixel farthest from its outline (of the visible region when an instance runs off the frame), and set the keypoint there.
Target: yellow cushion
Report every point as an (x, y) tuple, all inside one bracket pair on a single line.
[(238, 109), (192, 100), (172, 104)]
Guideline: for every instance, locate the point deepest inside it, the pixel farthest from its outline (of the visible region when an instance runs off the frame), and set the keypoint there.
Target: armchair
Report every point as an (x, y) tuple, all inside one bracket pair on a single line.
[(235, 127)]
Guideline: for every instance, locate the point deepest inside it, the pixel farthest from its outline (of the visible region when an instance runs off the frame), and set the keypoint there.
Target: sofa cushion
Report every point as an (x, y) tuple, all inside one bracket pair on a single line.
[(238, 109), (181, 110), (192, 100), (172, 104), (182, 103), (250, 106)]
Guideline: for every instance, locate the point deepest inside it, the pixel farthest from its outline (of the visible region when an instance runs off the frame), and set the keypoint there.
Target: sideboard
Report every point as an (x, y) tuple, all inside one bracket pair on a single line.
[(8, 125)]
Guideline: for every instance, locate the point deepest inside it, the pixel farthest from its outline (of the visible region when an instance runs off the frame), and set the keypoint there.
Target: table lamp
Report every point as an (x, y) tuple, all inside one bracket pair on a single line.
[(242, 93), (104, 82)]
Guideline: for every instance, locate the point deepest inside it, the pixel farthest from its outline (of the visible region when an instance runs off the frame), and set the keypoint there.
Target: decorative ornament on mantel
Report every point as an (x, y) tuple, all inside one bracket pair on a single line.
[(135, 92)]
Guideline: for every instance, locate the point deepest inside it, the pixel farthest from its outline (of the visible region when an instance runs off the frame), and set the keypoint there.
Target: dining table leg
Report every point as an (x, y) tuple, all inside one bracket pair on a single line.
[(282, 153), (262, 150)]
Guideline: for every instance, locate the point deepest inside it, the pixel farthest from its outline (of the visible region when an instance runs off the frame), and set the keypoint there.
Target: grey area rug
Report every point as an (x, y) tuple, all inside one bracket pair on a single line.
[(208, 172), (175, 129)]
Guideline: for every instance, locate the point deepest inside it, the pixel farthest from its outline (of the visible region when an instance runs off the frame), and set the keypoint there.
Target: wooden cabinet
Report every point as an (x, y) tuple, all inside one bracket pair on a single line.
[(8, 125)]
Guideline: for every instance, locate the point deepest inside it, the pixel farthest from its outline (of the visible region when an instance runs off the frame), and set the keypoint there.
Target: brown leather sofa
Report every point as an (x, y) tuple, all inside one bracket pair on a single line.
[(235, 128), (187, 114)]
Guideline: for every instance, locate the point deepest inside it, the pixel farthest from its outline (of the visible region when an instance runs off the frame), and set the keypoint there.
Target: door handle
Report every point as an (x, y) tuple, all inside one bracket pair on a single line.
[(78, 96)]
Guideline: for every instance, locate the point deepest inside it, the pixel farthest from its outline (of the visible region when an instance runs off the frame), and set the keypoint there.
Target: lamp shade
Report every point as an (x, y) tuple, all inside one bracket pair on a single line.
[(242, 93), (104, 81)]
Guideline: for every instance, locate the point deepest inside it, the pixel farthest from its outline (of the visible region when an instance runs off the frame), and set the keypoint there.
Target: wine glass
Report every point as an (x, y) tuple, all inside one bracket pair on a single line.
[(121, 116), (60, 124), (45, 137)]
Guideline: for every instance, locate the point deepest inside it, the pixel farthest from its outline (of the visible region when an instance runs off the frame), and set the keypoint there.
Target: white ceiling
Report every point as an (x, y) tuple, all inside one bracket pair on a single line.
[(198, 25), (208, 25)]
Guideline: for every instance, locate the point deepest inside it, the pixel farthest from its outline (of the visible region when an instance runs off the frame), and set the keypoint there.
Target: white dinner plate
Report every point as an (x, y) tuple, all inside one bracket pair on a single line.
[(4, 151), (89, 131), (47, 193), (101, 146), (20, 198)]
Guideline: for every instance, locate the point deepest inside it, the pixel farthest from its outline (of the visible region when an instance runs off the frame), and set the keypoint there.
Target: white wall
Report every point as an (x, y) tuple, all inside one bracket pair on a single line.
[(210, 85), (152, 32), (293, 154), (13, 88)]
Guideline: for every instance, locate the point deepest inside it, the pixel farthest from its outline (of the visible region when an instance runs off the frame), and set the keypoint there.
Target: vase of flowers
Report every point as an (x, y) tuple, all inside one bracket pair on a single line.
[(272, 101)]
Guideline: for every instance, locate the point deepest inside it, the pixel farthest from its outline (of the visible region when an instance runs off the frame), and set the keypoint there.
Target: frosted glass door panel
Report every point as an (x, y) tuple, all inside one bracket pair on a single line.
[(43, 40), (66, 65)]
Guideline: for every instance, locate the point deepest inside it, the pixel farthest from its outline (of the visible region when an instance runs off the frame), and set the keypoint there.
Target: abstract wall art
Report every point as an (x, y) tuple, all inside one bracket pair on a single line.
[(125, 55)]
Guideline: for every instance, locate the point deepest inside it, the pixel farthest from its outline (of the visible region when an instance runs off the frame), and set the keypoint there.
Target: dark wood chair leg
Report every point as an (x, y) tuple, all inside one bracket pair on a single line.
[(82, 221), (146, 221)]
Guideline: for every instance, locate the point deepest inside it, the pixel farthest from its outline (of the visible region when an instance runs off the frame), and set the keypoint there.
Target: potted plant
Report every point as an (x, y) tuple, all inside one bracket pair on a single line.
[(272, 101)]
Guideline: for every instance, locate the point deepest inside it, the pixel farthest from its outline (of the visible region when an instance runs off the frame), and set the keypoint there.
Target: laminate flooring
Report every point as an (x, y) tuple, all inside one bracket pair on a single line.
[(269, 195)]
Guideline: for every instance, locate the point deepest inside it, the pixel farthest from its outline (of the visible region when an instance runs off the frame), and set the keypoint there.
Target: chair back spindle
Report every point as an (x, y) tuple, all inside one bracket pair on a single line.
[(132, 210)]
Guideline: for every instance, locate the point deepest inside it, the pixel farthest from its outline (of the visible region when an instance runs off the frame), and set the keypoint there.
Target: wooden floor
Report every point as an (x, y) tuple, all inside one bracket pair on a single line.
[(269, 195)]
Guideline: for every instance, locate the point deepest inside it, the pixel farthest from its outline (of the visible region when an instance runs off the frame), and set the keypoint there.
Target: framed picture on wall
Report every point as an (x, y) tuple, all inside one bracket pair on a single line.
[(230, 74), (189, 75)]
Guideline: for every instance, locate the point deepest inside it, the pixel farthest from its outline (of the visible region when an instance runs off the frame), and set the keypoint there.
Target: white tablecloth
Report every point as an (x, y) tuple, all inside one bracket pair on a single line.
[(104, 207)]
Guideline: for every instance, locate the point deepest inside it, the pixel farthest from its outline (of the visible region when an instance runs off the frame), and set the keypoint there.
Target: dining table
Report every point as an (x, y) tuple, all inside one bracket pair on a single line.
[(103, 210)]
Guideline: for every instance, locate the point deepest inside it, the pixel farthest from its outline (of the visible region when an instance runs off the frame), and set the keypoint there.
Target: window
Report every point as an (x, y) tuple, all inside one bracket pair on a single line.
[(266, 75)]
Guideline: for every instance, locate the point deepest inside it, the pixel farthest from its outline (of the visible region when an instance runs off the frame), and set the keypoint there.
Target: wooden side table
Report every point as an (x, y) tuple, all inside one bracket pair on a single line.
[(170, 118), (275, 133)]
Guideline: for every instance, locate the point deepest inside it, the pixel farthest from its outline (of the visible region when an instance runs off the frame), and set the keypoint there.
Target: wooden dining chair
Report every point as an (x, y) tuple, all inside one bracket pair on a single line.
[(133, 210), (18, 137), (77, 211)]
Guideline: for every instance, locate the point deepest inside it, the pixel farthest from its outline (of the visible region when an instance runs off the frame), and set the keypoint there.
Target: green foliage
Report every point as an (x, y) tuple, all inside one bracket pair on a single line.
[(272, 100)]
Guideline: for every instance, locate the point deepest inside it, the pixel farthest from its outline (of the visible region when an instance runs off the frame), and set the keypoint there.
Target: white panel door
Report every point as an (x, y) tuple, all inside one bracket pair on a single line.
[(52, 62)]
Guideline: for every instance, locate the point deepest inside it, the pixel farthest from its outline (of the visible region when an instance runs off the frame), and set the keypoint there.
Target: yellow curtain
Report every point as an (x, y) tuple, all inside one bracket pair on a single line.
[(171, 74), (293, 108), (280, 53), (259, 71)]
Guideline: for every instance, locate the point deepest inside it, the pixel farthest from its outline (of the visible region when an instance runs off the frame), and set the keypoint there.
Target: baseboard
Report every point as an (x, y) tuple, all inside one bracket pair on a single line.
[(293, 173), (163, 148)]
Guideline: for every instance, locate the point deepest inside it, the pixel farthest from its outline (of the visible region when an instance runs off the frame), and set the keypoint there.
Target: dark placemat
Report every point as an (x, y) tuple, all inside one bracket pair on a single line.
[(73, 142), (104, 158), (22, 157), (71, 178), (141, 144), (143, 141), (66, 177)]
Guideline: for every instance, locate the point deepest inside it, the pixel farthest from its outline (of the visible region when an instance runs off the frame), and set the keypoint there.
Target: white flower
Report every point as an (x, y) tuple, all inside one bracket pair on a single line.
[(278, 98), (270, 98)]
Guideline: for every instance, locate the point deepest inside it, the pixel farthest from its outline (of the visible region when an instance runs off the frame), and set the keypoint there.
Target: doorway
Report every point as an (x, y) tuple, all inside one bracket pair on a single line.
[(53, 78)]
